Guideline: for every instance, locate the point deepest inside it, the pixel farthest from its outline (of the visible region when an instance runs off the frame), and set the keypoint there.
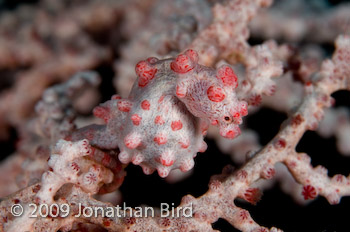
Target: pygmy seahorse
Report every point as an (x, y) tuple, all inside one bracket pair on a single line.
[(161, 125)]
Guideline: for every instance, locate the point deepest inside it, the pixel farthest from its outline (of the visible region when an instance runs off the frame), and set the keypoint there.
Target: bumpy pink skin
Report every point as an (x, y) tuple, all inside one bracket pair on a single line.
[(161, 125), (209, 94), (186, 62)]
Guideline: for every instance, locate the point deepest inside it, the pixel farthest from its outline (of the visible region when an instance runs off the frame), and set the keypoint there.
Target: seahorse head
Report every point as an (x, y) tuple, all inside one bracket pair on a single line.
[(226, 110), (209, 94)]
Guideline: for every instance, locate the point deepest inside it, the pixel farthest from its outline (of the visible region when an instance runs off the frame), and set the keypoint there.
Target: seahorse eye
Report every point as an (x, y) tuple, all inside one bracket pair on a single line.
[(227, 119)]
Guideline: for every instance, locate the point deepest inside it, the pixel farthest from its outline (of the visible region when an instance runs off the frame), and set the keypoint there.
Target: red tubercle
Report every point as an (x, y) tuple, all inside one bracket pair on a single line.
[(132, 141), (236, 115), (136, 119), (145, 71), (167, 163), (182, 64), (280, 144), (180, 91), (124, 157), (243, 108), (137, 159), (176, 125), (102, 112), (192, 54), (252, 195), (166, 159), (145, 105), (227, 76), (147, 170), (159, 120), (255, 100), (216, 94), (184, 144), (214, 122), (124, 105), (309, 192), (237, 119), (160, 139), (202, 147), (297, 120), (231, 134), (187, 165), (268, 173), (152, 60), (116, 97)]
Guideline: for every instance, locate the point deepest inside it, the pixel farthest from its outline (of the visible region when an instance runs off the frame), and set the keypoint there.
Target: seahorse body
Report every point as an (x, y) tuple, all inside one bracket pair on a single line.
[(162, 122)]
